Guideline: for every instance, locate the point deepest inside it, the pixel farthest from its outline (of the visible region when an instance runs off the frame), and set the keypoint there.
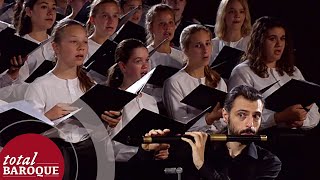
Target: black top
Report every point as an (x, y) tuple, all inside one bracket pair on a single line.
[(253, 163), (176, 38)]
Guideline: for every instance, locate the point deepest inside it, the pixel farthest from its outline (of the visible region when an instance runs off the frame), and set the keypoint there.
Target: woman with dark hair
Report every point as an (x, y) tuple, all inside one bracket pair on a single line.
[(270, 59), (35, 19), (32, 23), (132, 59), (195, 41)]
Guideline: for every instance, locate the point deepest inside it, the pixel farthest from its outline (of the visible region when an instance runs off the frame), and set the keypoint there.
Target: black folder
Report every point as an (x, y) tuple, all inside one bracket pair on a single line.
[(131, 30), (161, 74), (83, 14), (102, 59), (126, 17), (203, 97), (226, 60), (291, 93), (14, 122), (43, 69), (12, 45), (146, 120), (102, 98)]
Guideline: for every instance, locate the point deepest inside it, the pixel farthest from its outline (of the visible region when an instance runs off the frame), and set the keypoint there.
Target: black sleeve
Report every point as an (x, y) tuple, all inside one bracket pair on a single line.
[(207, 172), (270, 168), (143, 155)]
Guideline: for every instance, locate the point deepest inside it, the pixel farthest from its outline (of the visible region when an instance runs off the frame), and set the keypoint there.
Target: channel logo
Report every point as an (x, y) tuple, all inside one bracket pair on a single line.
[(31, 156)]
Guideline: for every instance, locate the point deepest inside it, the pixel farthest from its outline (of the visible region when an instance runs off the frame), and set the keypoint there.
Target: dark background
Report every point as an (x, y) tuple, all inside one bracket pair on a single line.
[(301, 17)]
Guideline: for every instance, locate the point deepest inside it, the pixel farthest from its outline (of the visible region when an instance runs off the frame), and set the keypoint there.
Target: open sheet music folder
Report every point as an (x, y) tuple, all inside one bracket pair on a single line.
[(226, 60), (102, 98), (146, 120), (19, 118), (291, 93), (203, 97), (102, 59)]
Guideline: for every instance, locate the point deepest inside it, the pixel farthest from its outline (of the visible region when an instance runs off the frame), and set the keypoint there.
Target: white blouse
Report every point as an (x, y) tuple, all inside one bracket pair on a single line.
[(243, 75), (2, 102), (179, 86), (4, 25), (142, 101), (47, 91), (218, 44), (176, 59)]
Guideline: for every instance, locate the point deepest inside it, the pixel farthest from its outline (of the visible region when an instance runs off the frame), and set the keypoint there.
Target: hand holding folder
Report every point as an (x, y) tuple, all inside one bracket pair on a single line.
[(147, 120), (11, 46), (292, 93), (102, 98), (203, 96)]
